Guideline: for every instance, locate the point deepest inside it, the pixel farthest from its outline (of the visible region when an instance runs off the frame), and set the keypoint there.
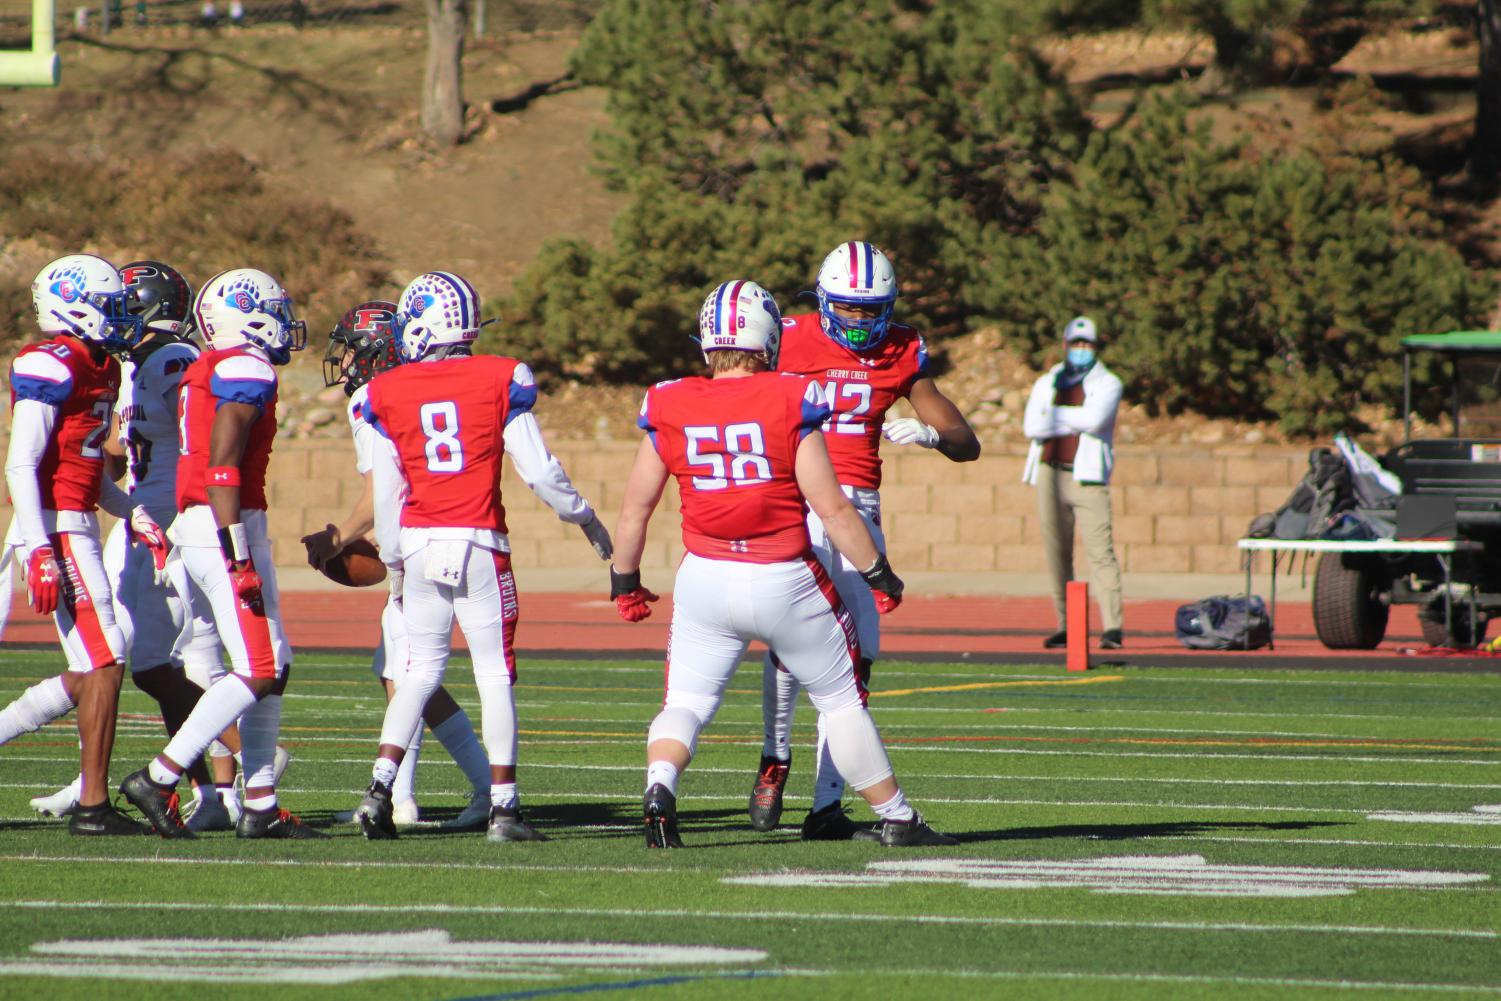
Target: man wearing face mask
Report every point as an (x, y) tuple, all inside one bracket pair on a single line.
[(1070, 420)]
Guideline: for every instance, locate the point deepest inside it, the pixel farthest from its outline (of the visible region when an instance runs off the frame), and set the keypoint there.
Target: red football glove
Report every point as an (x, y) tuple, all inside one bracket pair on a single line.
[(885, 586), (43, 580), (631, 599), (143, 528), (247, 585)]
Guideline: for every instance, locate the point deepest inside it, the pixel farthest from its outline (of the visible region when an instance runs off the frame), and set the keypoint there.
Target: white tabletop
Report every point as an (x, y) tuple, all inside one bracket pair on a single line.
[(1363, 545)]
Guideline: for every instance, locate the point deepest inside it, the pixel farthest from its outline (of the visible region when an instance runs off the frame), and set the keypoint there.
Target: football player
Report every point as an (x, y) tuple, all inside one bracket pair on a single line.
[(446, 418), (151, 615), (747, 452), (363, 344), (227, 415), (62, 391), (865, 364)]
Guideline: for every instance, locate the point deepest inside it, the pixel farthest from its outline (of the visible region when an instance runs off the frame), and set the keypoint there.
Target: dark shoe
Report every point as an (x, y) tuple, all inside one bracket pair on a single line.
[(1111, 639), (1056, 641), (832, 823), (914, 833), (766, 796), (103, 819), (375, 814), (275, 823), (507, 824), (157, 802), (661, 809)]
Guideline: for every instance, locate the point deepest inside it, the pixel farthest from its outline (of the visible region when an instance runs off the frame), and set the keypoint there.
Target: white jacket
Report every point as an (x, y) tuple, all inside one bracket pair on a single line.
[(1093, 422)]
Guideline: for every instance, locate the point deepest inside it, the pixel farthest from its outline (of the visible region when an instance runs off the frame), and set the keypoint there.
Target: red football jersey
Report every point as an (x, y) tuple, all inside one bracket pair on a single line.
[(235, 375), (732, 444), (447, 420), (860, 387), (63, 373)]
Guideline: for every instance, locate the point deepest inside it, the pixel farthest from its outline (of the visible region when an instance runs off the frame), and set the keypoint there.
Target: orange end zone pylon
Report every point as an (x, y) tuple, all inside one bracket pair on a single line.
[(1076, 607)]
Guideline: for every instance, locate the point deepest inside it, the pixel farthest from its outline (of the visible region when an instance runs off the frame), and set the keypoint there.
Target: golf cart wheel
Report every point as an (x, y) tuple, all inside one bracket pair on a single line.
[(1465, 632), (1350, 605)]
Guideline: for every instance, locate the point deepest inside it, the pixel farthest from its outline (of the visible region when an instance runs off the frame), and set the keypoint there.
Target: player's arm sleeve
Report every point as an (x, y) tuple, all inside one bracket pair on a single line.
[(1096, 415), (31, 425), (542, 471), (390, 490), (813, 410), (113, 499), (538, 468), (1037, 419)]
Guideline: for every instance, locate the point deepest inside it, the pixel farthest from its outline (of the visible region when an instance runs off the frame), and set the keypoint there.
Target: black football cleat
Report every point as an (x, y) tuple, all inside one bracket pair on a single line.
[(375, 815), (157, 802), (507, 824), (832, 823), (661, 809), (1057, 641), (102, 819), (766, 796), (1111, 639), (275, 823), (914, 833)]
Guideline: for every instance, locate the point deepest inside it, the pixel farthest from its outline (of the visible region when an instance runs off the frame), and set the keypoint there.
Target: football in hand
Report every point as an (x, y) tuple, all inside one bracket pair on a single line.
[(357, 565)]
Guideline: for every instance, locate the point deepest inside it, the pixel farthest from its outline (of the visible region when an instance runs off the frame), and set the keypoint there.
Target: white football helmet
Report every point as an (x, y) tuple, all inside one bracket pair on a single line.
[(740, 316), (437, 310), (83, 295), (249, 307), (856, 274)]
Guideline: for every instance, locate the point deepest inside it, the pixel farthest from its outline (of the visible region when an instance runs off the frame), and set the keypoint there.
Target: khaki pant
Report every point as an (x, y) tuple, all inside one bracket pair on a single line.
[(1061, 501)]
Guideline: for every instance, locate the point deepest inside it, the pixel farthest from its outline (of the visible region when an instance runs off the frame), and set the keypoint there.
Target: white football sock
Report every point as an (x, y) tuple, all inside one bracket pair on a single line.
[(663, 773), (457, 736), (221, 705), (259, 727), (229, 795), (895, 808), (497, 701), (778, 703), (855, 745), (384, 771), (828, 784), (404, 787), (39, 705), (503, 795), (261, 804)]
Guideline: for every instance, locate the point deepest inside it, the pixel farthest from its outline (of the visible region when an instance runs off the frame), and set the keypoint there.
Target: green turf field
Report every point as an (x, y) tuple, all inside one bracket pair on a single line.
[(1127, 834)]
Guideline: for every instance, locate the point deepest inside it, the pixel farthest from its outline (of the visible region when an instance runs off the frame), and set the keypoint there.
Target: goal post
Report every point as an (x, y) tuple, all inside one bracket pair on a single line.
[(39, 66)]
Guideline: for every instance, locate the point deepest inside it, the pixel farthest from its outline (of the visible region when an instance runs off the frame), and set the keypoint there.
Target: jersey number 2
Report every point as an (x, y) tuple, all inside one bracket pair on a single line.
[(440, 423)]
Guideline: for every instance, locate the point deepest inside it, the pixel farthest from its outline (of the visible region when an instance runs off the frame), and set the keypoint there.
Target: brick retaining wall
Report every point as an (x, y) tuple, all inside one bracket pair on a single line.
[(1178, 509)]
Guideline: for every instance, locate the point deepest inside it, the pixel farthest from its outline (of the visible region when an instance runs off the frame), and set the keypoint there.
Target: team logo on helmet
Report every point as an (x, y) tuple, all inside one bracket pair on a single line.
[(70, 286), (371, 319), (132, 274)]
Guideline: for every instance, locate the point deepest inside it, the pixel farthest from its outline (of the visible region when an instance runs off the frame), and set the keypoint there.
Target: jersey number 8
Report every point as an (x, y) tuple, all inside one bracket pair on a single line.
[(440, 423)]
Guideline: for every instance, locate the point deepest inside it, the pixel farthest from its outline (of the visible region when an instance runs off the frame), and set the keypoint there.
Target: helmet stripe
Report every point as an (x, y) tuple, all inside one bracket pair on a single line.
[(459, 286), (870, 265), (854, 264), (732, 291)]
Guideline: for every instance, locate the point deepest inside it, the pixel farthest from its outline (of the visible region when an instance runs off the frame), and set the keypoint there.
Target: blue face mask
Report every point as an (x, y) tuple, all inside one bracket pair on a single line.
[(1080, 357)]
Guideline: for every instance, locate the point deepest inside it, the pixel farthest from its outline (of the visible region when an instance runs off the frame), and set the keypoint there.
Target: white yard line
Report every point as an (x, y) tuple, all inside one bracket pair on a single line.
[(775, 916)]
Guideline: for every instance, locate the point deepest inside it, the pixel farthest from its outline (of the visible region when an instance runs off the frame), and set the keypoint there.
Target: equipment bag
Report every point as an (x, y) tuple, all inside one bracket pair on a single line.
[(1223, 622), (1320, 497)]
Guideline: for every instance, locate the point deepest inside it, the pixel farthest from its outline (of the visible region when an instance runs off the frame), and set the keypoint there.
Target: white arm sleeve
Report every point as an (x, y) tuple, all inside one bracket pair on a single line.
[(390, 494), (1096, 415), (113, 499), (541, 470), (30, 433)]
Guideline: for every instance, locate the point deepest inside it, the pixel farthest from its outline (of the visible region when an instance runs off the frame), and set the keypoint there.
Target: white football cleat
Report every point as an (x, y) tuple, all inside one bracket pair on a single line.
[(61, 803), (405, 813), (210, 815), (344, 817), (474, 817)]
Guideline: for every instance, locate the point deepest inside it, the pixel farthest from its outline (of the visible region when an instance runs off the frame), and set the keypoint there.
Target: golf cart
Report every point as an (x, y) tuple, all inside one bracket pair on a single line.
[(1451, 495)]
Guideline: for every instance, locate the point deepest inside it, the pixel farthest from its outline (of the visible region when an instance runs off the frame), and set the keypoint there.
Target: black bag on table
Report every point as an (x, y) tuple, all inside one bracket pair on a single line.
[(1223, 622)]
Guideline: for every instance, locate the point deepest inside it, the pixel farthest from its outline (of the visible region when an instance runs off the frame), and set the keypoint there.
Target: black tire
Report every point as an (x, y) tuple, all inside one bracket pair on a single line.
[(1350, 602), (1465, 632)]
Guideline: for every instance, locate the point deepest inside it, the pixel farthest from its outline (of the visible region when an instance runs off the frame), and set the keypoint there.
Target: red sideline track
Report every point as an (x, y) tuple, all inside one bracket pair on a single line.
[(982, 629)]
